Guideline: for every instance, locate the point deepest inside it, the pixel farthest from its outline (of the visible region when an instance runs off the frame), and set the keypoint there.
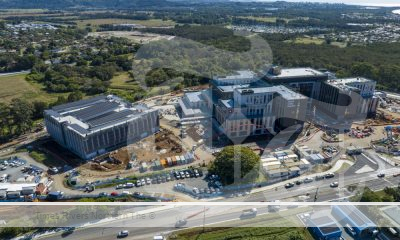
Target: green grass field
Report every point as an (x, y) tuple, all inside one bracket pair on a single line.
[(17, 87), (146, 23), (309, 40), (266, 233), (121, 80), (261, 19)]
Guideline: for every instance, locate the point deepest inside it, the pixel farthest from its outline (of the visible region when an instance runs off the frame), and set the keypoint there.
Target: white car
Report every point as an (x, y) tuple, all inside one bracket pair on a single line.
[(123, 233), (138, 183), (143, 181), (308, 180), (148, 181)]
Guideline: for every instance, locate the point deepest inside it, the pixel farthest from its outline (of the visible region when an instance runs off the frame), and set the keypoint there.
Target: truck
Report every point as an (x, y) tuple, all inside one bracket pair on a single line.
[(252, 212)]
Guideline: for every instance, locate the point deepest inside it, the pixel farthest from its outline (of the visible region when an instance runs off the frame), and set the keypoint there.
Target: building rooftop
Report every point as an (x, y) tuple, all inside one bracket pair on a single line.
[(348, 83), (231, 88), (244, 74), (393, 213), (294, 72), (281, 90), (358, 218), (325, 224), (194, 96), (89, 115)]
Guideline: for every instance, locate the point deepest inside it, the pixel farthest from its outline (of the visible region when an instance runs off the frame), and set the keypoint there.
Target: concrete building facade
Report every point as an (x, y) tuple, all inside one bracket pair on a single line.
[(350, 98), (100, 124)]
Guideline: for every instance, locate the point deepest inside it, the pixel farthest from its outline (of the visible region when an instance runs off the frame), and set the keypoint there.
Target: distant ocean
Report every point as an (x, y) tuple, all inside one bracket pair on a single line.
[(377, 3)]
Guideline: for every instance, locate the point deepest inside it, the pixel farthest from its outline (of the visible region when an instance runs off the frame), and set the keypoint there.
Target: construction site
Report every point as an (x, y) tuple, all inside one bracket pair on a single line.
[(143, 154), (389, 145)]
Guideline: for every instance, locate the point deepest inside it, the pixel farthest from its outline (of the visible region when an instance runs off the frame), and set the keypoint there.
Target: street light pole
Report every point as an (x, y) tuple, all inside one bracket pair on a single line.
[(204, 218), (316, 195)]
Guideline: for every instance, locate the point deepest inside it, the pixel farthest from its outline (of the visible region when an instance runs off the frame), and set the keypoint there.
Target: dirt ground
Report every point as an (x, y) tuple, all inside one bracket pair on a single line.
[(161, 145)]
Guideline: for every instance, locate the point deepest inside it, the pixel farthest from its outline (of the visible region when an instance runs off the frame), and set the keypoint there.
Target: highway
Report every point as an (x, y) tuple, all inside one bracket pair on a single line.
[(144, 226), (164, 221)]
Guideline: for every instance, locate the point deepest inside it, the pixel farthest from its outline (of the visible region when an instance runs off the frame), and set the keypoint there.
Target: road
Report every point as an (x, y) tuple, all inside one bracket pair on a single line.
[(14, 73), (164, 222), (362, 174)]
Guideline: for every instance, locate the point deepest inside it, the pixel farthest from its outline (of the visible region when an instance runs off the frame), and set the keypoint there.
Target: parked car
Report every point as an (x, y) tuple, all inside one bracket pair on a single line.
[(103, 194), (196, 173), (148, 181), (177, 175), (119, 186), (138, 183), (168, 178), (114, 194), (298, 182)]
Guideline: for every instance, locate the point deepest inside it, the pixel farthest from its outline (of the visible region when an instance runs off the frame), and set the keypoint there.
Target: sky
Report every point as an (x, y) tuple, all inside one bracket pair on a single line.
[(358, 2)]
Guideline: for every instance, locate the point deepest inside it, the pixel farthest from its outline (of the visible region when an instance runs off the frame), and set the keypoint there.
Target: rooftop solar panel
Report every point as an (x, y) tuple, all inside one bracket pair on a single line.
[(109, 118), (94, 110), (76, 104)]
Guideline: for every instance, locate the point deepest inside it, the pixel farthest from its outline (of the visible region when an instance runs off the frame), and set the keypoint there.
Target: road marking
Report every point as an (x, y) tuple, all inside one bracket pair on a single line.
[(369, 159), (389, 182)]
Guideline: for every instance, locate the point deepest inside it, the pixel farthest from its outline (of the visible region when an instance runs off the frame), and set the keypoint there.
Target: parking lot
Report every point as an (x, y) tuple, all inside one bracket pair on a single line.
[(191, 182), (17, 170)]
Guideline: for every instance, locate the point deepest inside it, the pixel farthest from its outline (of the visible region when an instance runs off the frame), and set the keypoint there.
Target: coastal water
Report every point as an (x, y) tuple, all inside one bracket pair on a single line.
[(382, 3)]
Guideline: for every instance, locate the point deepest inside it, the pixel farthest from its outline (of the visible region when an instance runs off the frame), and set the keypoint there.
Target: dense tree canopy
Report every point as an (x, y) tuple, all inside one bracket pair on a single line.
[(235, 161)]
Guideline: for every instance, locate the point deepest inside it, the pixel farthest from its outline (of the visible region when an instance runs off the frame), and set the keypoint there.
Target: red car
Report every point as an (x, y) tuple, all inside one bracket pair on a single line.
[(114, 194)]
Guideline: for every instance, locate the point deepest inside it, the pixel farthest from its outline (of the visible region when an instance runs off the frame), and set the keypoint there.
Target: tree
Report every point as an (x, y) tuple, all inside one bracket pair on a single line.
[(363, 69), (75, 96), (5, 124), (22, 113), (38, 109), (60, 100), (369, 196), (234, 162)]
